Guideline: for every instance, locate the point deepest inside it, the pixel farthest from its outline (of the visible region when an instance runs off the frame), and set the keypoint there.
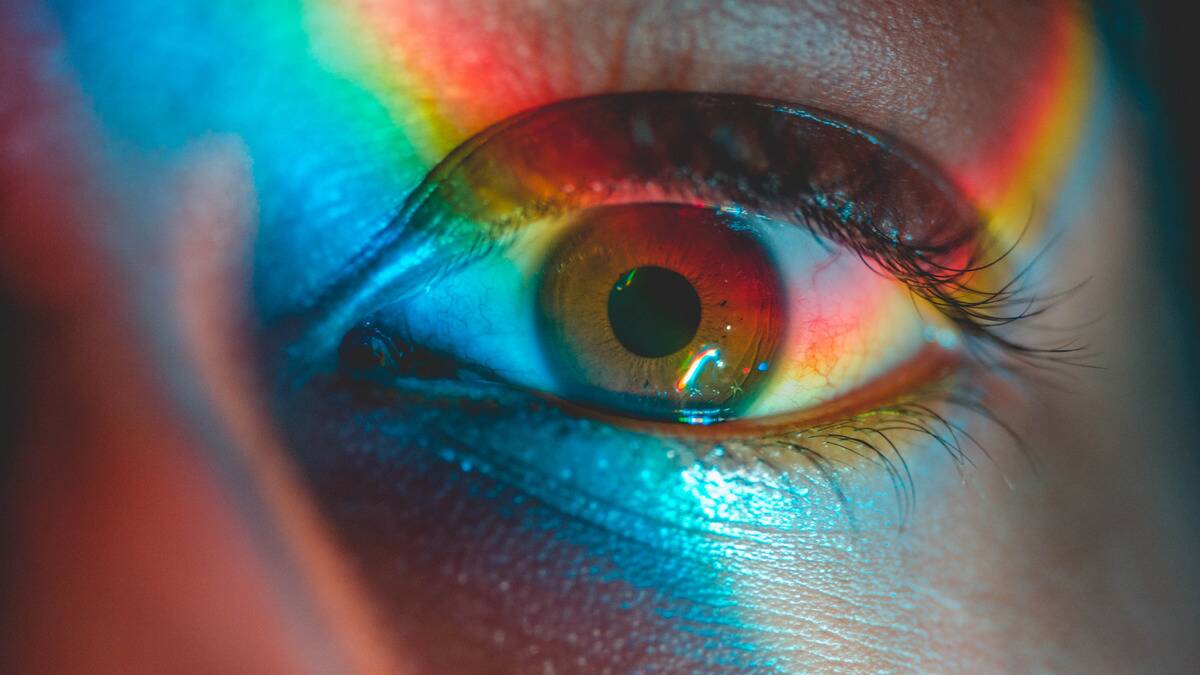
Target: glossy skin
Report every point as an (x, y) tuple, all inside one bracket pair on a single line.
[(285, 521)]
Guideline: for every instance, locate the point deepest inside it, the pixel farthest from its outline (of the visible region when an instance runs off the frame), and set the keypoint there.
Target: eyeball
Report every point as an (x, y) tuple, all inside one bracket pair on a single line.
[(681, 259)]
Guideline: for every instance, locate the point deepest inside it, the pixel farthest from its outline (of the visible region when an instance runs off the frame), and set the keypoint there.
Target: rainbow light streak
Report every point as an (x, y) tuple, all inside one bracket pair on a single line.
[(693, 369), (1030, 155)]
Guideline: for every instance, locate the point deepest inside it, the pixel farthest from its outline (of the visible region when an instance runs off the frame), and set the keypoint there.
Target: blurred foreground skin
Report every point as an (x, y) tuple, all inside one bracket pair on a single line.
[(153, 523), (128, 547)]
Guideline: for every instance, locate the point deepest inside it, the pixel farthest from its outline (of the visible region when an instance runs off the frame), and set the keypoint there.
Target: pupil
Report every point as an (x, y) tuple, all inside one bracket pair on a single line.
[(653, 311)]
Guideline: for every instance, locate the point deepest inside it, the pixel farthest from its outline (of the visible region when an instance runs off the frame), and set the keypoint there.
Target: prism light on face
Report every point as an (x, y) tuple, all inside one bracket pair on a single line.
[(345, 107), (379, 102)]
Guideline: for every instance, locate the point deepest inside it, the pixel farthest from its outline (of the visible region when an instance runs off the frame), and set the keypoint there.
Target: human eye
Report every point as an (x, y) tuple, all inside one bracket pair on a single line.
[(728, 284), (681, 259), (440, 297), (544, 438)]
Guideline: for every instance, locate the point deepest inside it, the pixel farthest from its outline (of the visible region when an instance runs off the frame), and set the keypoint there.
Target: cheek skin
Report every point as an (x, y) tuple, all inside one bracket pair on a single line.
[(571, 560)]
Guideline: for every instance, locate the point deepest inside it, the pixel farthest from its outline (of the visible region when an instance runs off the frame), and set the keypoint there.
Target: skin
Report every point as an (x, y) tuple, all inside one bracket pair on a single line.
[(197, 512)]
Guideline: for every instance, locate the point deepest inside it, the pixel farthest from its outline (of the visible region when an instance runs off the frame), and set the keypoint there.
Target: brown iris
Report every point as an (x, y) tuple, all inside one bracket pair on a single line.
[(662, 311)]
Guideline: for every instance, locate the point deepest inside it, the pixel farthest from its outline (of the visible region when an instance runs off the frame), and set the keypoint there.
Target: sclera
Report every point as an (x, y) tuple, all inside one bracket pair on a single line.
[(848, 325)]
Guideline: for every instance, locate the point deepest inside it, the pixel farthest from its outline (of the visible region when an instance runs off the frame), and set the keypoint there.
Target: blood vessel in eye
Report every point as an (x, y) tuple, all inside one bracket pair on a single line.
[(662, 311)]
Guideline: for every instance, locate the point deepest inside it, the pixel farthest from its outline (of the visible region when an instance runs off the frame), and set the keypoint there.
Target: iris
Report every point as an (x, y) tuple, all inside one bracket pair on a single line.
[(689, 282)]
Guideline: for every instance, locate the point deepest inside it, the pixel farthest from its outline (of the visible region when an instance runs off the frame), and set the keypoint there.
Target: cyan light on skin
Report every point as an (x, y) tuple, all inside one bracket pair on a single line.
[(732, 561)]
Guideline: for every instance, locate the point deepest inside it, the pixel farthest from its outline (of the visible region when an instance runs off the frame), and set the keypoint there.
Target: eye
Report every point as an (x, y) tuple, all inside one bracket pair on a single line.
[(680, 259)]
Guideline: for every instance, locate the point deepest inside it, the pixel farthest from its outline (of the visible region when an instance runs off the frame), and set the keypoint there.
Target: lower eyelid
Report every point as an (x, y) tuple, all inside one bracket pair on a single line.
[(620, 480), (525, 440)]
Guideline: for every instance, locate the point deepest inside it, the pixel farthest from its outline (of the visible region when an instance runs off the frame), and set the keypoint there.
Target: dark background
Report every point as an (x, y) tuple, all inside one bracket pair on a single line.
[(1154, 44)]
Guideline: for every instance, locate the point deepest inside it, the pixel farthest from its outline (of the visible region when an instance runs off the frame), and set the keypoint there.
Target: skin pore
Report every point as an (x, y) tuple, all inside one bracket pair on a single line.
[(287, 132)]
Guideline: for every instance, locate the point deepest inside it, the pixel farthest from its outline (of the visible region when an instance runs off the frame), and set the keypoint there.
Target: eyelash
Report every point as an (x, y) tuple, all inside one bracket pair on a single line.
[(976, 312), (871, 437), (980, 316)]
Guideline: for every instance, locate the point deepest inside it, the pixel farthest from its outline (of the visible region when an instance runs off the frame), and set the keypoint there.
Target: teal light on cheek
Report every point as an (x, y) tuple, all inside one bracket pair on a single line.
[(737, 551)]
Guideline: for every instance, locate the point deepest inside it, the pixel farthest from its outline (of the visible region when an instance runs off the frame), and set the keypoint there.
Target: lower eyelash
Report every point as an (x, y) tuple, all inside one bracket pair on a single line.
[(829, 453), (870, 438)]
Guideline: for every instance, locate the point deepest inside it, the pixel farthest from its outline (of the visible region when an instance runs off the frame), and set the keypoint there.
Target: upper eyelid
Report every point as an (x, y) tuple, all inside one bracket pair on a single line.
[(806, 51), (881, 63), (393, 251)]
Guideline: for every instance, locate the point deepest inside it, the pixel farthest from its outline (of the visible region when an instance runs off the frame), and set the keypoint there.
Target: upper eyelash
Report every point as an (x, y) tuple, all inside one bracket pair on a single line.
[(980, 314), (942, 286), (385, 253)]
